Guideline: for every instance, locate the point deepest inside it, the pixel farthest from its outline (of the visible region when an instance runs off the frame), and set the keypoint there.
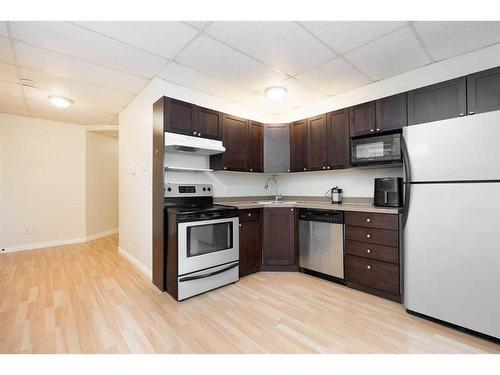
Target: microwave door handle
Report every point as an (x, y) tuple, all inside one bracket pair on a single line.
[(205, 275), (407, 183)]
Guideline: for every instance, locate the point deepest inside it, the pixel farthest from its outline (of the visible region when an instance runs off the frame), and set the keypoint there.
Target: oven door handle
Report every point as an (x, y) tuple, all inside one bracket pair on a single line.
[(197, 277)]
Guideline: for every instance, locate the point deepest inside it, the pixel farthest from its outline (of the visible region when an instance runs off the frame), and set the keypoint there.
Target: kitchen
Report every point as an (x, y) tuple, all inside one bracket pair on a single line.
[(342, 197)]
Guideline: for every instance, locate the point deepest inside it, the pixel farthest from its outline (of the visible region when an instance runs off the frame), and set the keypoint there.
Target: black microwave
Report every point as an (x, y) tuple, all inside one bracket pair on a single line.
[(382, 149)]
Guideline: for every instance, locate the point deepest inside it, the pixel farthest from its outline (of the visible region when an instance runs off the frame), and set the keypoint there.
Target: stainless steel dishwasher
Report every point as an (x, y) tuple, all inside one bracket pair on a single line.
[(321, 241)]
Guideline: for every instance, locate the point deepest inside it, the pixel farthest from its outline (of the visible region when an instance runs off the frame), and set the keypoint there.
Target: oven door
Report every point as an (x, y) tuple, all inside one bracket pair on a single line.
[(376, 150), (208, 243)]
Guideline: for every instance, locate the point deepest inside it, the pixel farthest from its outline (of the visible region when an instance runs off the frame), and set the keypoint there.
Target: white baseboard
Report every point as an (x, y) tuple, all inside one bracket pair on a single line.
[(40, 245), (95, 236), (136, 263)]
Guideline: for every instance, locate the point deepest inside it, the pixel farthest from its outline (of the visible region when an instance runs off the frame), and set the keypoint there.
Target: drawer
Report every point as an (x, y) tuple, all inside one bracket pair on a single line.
[(372, 274), (372, 235), (372, 251), (371, 220), (249, 215)]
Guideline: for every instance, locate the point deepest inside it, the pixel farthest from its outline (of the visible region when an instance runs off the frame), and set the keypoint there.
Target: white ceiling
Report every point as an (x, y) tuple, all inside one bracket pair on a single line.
[(103, 65)]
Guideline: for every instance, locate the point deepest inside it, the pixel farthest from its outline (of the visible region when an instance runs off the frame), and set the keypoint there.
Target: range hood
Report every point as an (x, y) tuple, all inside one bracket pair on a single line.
[(192, 145)]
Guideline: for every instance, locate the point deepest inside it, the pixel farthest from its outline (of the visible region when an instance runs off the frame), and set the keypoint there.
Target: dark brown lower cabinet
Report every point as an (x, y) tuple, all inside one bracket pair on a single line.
[(372, 254), (250, 241), (279, 245)]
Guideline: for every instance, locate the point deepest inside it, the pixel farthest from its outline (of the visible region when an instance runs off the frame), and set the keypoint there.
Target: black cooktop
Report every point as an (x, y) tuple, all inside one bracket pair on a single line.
[(195, 209)]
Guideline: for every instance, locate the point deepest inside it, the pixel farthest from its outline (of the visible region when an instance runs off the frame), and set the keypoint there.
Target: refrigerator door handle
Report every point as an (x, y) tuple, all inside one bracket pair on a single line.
[(407, 183)]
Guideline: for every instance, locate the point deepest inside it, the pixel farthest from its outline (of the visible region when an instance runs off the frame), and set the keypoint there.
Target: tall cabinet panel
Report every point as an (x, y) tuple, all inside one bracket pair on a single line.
[(277, 148), (209, 123), (180, 117), (255, 147), (362, 121), (316, 143), (234, 138), (391, 113), (298, 146), (279, 239), (483, 91), (337, 135)]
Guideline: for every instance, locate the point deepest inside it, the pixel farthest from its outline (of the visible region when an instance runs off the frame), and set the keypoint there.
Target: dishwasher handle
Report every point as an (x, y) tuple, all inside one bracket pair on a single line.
[(324, 216)]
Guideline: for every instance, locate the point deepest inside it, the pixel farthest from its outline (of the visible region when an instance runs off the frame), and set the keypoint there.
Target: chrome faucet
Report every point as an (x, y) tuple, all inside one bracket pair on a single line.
[(266, 185)]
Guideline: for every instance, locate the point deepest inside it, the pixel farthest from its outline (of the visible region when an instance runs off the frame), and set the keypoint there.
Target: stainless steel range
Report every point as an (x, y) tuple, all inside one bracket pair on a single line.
[(202, 241)]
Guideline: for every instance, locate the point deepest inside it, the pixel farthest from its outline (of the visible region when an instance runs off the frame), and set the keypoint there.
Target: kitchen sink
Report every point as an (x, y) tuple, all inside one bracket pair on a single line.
[(276, 202)]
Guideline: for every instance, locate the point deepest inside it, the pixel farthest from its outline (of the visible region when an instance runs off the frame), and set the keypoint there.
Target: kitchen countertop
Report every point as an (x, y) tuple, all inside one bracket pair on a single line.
[(297, 203)]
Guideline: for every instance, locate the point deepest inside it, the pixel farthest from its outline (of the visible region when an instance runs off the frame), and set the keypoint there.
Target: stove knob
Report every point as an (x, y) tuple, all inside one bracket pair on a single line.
[(169, 189), (204, 189), (209, 189)]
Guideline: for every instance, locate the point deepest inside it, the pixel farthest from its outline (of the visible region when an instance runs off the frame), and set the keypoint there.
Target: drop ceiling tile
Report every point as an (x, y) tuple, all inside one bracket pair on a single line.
[(334, 77), (446, 39), (10, 88), (43, 109), (8, 72), (261, 102), (390, 55), (69, 67), (42, 95), (345, 36), (72, 40), (76, 89), (283, 45), (3, 28), (213, 58), (200, 25), (5, 51), (187, 77), (164, 38), (12, 104)]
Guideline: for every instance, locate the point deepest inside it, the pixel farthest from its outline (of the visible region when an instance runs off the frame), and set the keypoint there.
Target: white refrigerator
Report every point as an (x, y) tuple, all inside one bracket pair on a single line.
[(452, 221)]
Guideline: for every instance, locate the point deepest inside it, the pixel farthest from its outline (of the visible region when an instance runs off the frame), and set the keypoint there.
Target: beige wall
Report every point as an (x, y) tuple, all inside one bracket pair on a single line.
[(42, 182), (101, 184)]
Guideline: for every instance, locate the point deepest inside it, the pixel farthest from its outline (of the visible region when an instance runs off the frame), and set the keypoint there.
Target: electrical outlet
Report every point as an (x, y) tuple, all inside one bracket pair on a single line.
[(30, 230)]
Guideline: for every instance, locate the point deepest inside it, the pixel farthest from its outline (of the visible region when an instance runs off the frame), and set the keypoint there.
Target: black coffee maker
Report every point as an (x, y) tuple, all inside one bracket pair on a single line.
[(388, 192)]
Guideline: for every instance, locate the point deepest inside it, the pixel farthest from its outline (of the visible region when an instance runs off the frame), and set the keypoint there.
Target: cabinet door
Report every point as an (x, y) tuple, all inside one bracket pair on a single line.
[(208, 123), (391, 113), (255, 147), (180, 117), (316, 143), (279, 237), (362, 119), (234, 138), (437, 102), (250, 242), (298, 146), (483, 91), (337, 135), (277, 148)]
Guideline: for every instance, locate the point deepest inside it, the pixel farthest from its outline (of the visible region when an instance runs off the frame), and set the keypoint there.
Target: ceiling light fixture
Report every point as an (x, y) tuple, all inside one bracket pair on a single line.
[(275, 92), (60, 101), (28, 82)]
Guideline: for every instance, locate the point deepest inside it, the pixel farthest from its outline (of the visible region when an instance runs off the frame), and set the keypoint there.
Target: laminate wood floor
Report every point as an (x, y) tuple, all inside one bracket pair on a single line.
[(87, 299)]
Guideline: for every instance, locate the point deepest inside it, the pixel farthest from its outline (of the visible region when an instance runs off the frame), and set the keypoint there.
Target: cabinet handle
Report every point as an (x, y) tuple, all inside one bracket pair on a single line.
[(378, 130), (368, 235), (471, 112), (305, 169), (199, 134), (291, 209), (324, 167), (239, 225), (368, 220), (328, 167), (249, 214), (251, 170), (288, 170), (225, 168), (371, 130), (195, 133), (368, 251), (368, 267), (461, 114)]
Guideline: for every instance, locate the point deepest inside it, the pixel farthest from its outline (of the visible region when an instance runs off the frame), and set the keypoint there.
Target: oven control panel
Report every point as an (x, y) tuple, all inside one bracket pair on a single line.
[(188, 190)]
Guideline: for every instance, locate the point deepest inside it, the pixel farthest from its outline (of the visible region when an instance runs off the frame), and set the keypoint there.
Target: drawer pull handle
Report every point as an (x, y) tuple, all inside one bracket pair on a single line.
[(249, 214), (368, 220), (368, 235), (368, 251), (239, 225), (368, 267)]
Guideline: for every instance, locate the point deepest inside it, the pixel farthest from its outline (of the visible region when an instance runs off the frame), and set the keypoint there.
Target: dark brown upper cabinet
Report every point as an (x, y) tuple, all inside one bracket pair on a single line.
[(180, 117), (235, 140), (437, 102), (337, 135), (483, 91), (277, 148), (208, 123), (279, 244), (362, 119), (255, 147), (391, 113), (316, 143), (298, 146)]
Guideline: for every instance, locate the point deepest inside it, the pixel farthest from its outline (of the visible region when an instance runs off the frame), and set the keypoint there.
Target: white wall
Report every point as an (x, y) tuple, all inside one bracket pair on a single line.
[(42, 182), (136, 146), (101, 184)]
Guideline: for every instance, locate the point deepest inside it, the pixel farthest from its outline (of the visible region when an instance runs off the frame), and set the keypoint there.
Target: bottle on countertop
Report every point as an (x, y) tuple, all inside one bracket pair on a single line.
[(336, 194)]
